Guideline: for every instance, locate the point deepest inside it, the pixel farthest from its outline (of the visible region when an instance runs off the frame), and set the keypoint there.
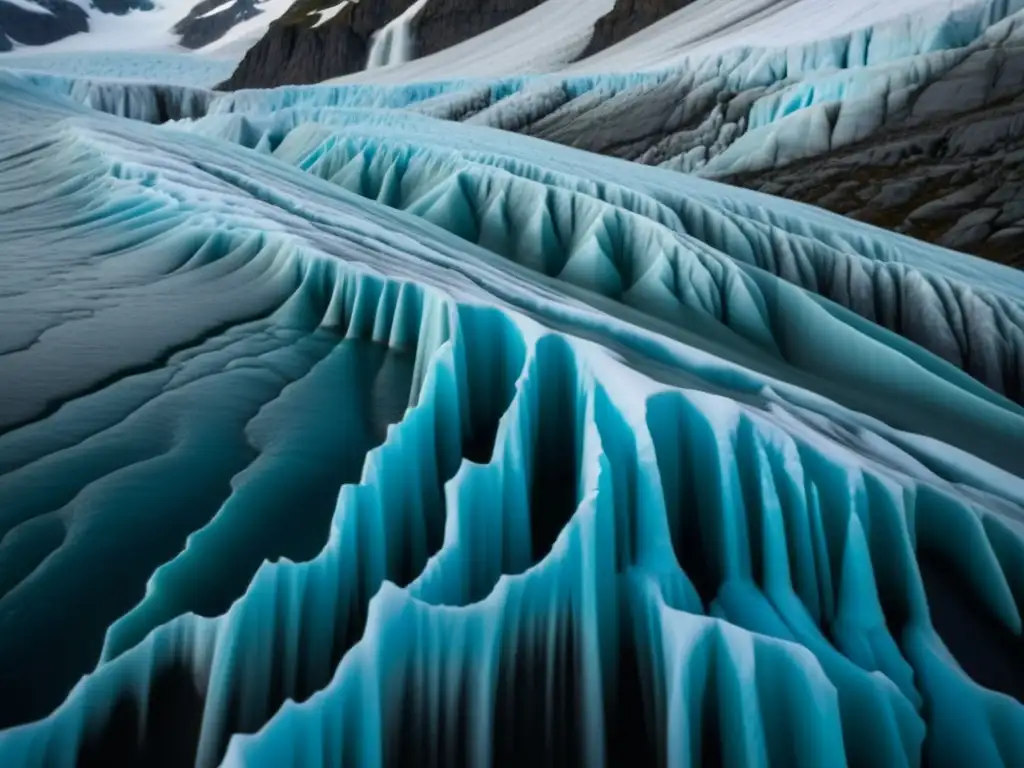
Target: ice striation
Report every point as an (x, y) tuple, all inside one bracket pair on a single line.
[(163, 68), (910, 122), (337, 434), (134, 100), (659, 248)]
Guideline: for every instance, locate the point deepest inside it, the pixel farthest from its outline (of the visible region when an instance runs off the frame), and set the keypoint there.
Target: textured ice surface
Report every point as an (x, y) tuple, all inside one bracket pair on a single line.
[(758, 39), (333, 434), (731, 106), (911, 123), (631, 234), (149, 102), (169, 68)]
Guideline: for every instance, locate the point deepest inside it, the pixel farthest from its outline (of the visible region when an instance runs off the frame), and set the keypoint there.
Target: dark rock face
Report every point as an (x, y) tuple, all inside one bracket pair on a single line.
[(949, 169), (18, 25), (201, 27), (444, 23), (294, 52), (627, 18)]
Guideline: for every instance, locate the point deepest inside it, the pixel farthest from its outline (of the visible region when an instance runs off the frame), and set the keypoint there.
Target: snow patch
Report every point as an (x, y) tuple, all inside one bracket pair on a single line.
[(218, 9), (330, 13), (28, 5)]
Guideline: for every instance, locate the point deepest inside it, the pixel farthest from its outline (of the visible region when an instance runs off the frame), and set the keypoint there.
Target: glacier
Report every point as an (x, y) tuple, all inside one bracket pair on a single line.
[(166, 68), (335, 433)]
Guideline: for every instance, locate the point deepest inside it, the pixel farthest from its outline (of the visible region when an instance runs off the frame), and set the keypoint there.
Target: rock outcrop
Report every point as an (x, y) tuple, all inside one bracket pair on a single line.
[(297, 49), (208, 21), (444, 23), (302, 48), (55, 20), (949, 169), (627, 18), (931, 147)]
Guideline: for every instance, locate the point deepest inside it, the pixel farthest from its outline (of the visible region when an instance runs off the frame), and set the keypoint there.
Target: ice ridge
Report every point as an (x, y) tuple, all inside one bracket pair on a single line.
[(433, 443), (718, 113), (645, 247)]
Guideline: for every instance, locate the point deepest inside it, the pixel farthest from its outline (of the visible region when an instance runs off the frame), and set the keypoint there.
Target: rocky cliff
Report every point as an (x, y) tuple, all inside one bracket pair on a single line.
[(55, 20), (627, 18), (444, 23), (297, 49), (300, 48), (210, 19)]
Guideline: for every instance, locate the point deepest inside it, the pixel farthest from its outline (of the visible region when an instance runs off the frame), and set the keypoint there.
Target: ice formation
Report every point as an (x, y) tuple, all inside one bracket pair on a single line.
[(392, 45), (165, 68), (333, 433)]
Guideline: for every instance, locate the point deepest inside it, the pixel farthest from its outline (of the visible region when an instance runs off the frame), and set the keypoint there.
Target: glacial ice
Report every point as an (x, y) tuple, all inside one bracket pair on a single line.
[(334, 433), (166, 67), (149, 102), (830, 91)]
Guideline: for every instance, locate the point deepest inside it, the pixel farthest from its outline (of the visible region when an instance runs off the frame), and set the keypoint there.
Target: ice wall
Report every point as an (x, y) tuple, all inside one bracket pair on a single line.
[(139, 100), (677, 254), (606, 463)]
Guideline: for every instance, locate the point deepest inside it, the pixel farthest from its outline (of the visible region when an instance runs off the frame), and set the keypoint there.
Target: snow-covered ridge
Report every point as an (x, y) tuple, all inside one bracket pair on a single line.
[(159, 28), (817, 33)]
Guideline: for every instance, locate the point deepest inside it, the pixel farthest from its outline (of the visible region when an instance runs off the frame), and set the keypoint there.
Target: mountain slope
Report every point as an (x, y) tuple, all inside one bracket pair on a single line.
[(111, 27), (516, 36), (37, 23)]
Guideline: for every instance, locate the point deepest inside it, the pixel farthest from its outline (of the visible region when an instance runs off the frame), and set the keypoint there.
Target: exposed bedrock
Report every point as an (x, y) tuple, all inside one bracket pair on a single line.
[(121, 7), (210, 19), (444, 23), (55, 20), (947, 168), (627, 18), (300, 49), (296, 49), (931, 146)]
